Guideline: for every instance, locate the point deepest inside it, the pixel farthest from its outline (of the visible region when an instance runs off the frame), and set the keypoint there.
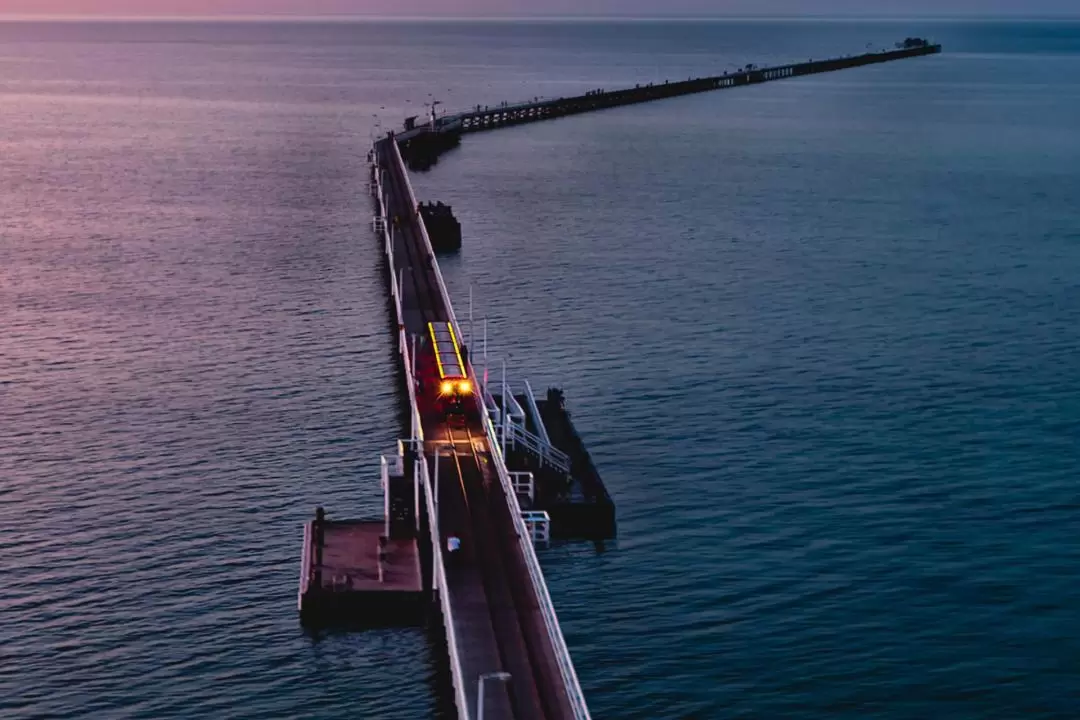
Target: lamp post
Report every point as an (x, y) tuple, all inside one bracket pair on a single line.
[(505, 417), (415, 386), (500, 676)]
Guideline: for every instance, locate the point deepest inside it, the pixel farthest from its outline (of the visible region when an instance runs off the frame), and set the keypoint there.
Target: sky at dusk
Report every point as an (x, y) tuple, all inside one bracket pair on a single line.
[(499, 8)]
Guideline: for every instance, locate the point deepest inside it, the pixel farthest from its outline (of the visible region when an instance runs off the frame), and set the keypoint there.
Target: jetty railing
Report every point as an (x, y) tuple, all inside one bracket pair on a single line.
[(305, 566), (547, 453), (534, 411), (439, 573), (538, 445)]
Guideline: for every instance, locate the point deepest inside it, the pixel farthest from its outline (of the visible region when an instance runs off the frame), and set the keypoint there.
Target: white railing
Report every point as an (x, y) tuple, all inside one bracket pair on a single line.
[(492, 406), (551, 620), (457, 678), (440, 584), (305, 567), (523, 484), (534, 411), (427, 245), (539, 524), (516, 411), (519, 434), (548, 453), (392, 466)]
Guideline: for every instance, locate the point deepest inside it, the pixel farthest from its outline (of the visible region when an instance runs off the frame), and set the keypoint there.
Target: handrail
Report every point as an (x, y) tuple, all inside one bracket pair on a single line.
[(534, 410), (305, 567), (541, 446), (429, 247), (440, 572), (489, 400), (551, 621), (440, 581), (547, 608), (516, 411), (548, 453), (388, 241)]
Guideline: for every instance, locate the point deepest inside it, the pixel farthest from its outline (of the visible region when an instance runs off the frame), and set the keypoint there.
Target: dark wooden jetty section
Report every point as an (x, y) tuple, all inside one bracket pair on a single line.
[(588, 510), (489, 118), (422, 144), (553, 470), (443, 228)]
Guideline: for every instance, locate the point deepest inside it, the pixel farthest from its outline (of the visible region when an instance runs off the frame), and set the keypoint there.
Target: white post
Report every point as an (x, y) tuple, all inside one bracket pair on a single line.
[(504, 415), (470, 319), (433, 526), (412, 358), (386, 497), (414, 414), (418, 457), (436, 489)]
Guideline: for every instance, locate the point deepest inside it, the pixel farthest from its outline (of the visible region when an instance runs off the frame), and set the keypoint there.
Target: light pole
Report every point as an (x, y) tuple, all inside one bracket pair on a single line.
[(505, 417), (500, 676), (413, 380), (435, 490), (435, 531)]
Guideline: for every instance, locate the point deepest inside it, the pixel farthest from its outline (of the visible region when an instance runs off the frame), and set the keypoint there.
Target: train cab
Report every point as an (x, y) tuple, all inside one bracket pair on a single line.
[(454, 387)]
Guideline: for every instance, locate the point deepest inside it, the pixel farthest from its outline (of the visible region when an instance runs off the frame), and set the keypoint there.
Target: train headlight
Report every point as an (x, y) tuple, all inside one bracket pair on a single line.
[(446, 388), (465, 387)]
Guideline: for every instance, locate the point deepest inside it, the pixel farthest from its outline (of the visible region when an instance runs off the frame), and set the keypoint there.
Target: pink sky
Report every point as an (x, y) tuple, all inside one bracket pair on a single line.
[(444, 8)]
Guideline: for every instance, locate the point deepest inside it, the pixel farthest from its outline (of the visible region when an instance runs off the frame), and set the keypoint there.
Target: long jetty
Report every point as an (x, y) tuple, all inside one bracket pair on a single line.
[(473, 490), (423, 143)]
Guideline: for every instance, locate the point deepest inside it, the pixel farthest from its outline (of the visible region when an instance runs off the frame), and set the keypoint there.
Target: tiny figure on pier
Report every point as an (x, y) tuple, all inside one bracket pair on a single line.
[(453, 550)]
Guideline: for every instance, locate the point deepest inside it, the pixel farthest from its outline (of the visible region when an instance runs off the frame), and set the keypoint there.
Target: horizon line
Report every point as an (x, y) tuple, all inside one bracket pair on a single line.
[(359, 17)]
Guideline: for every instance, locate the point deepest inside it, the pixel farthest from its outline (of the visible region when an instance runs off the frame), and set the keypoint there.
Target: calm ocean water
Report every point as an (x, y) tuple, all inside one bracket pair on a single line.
[(821, 337)]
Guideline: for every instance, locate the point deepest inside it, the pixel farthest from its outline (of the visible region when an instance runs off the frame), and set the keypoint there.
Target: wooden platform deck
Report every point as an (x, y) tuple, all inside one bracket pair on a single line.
[(351, 559), (362, 579)]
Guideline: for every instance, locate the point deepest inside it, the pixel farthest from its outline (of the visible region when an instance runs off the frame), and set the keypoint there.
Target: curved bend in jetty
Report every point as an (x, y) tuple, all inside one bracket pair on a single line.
[(487, 472)]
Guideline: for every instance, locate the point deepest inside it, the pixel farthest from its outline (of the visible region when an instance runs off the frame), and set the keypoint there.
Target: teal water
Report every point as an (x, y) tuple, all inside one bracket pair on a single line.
[(819, 336)]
